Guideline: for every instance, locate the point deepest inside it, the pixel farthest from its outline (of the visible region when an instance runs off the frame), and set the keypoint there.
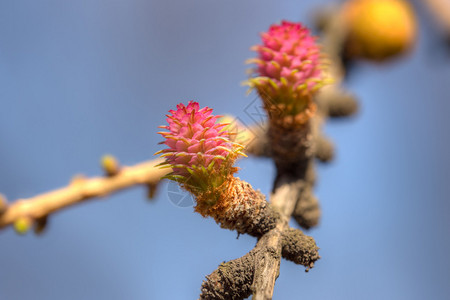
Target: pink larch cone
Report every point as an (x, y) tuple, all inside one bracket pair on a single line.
[(201, 153), (290, 69)]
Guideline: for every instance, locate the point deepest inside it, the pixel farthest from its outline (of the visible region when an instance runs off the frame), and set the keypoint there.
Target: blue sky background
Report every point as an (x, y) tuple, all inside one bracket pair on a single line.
[(79, 79)]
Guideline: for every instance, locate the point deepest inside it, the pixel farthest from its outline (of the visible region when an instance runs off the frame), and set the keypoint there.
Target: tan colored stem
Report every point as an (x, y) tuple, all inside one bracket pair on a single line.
[(441, 11), (268, 263), (79, 190)]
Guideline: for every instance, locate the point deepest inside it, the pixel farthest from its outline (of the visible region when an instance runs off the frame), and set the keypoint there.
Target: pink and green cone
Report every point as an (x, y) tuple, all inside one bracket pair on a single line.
[(290, 68), (200, 151)]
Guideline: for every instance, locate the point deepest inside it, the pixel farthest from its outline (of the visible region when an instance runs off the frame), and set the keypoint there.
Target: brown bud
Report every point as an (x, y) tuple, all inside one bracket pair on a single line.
[(151, 190), (40, 225)]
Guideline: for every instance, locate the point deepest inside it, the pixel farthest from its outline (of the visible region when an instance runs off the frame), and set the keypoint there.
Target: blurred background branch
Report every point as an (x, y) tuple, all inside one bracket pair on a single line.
[(441, 12)]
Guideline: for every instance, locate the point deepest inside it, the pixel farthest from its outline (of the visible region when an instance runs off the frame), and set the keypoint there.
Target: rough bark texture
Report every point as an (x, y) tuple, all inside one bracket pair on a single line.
[(243, 209), (232, 280), (287, 191), (299, 248), (290, 147)]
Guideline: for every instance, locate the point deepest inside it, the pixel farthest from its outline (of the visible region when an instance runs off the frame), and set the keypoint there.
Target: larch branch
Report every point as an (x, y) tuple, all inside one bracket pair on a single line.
[(80, 190), (268, 262), (256, 271)]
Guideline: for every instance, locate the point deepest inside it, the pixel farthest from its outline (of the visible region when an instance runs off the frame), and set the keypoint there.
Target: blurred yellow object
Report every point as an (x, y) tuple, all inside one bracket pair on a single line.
[(379, 29)]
